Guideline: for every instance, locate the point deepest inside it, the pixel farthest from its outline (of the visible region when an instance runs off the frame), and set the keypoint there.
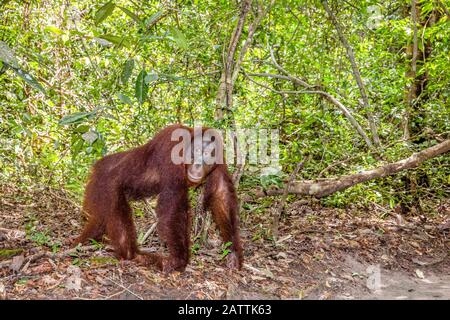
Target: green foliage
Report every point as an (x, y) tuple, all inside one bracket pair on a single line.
[(8, 59), (9, 253), (104, 12), (41, 238), (195, 247), (225, 250)]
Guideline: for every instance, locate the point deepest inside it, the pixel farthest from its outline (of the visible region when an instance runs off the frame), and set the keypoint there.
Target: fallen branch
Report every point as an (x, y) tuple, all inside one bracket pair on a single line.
[(327, 187)]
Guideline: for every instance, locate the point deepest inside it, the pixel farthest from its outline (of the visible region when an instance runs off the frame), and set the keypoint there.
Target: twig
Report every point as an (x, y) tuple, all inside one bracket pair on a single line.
[(148, 233), (66, 199), (431, 263), (115, 294), (281, 204), (251, 30), (122, 286)]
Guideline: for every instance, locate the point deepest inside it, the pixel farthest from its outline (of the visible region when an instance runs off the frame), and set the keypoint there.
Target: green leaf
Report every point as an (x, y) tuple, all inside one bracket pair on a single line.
[(77, 146), (104, 12), (29, 79), (54, 29), (225, 253), (131, 15), (179, 38), (76, 117), (154, 18), (141, 89), (125, 99), (82, 128), (3, 67), (118, 41), (171, 77), (127, 70)]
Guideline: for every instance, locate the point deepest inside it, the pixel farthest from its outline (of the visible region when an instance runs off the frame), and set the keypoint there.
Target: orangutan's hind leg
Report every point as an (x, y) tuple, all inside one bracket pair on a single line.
[(120, 228)]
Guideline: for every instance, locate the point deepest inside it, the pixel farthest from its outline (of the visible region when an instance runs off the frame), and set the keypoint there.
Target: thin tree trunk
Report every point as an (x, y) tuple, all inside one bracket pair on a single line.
[(411, 74), (251, 32), (356, 74), (224, 93), (327, 187)]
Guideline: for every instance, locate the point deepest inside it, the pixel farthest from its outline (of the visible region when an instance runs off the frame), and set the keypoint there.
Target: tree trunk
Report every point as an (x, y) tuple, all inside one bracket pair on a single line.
[(411, 74), (356, 74), (224, 93)]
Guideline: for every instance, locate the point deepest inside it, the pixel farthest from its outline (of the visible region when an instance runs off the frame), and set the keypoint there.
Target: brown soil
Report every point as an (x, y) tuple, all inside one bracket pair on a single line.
[(322, 253)]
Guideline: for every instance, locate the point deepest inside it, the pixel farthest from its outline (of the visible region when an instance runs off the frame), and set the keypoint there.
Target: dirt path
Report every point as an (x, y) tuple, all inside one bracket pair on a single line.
[(380, 283)]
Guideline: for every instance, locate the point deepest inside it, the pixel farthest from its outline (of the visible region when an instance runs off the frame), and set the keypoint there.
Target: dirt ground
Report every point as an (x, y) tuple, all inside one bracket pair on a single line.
[(322, 253)]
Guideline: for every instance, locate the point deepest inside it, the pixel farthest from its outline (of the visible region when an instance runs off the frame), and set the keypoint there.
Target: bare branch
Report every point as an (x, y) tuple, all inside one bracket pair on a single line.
[(282, 70)]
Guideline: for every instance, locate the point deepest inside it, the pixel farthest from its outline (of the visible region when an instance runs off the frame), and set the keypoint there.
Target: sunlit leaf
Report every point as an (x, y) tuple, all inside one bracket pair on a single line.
[(76, 117), (90, 136), (29, 79), (103, 42), (131, 15), (179, 38), (141, 88), (7, 55), (54, 30), (118, 41), (82, 128), (151, 77), (153, 18), (104, 12)]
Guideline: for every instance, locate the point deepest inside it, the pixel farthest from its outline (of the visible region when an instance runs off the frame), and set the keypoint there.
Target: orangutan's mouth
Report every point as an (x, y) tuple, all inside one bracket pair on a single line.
[(194, 179)]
